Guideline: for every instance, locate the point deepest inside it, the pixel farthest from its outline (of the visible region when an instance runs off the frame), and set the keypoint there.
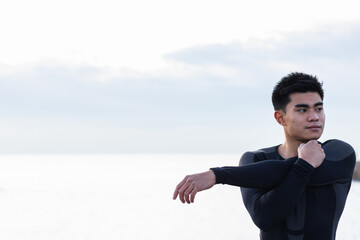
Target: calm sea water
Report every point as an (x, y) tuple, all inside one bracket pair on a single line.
[(125, 197)]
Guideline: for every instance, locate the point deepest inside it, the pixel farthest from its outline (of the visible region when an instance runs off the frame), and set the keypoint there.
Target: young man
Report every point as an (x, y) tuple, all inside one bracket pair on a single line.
[(296, 190)]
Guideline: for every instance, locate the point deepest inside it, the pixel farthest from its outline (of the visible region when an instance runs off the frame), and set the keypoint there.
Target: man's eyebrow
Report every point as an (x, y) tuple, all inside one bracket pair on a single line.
[(302, 105)]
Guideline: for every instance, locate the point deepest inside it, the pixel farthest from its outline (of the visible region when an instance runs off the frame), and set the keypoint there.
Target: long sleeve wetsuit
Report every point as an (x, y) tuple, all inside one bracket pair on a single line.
[(287, 198)]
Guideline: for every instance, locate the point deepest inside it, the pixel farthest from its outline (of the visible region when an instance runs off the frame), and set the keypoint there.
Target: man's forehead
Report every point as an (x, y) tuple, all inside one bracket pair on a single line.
[(309, 98)]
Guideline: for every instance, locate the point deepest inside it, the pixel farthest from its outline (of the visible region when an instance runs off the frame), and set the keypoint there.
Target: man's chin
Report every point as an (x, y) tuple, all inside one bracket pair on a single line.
[(313, 137)]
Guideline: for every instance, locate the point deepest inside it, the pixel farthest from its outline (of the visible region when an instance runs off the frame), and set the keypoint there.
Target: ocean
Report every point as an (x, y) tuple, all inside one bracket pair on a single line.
[(85, 197)]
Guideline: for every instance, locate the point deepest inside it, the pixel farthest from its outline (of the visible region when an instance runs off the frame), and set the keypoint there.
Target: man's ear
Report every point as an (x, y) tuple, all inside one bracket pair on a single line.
[(280, 117)]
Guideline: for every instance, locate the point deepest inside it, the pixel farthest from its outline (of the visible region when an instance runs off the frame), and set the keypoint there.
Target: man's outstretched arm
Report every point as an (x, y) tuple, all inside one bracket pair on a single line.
[(251, 176), (193, 184)]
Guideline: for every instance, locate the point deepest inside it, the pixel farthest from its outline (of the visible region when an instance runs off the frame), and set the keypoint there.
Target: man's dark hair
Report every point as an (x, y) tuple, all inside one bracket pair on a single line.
[(295, 82)]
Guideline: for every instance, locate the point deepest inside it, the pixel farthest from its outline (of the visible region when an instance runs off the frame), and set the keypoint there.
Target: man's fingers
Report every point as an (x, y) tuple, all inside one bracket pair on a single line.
[(182, 191), (176, 192), (187, 192), (193, 193)]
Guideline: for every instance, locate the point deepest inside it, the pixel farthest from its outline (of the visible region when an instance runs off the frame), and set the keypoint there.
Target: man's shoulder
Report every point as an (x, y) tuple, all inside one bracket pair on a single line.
[(337, 149), (259, 155), (336, 141)]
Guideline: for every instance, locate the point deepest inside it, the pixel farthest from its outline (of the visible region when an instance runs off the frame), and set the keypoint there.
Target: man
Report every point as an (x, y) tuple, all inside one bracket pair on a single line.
[(296, 190)]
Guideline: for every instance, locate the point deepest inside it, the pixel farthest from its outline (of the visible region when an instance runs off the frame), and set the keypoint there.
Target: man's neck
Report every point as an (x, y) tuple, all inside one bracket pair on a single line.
[(289, 149)]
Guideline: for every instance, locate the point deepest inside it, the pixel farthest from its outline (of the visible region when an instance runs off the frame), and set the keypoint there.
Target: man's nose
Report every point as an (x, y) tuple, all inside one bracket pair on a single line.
[(313, 116)]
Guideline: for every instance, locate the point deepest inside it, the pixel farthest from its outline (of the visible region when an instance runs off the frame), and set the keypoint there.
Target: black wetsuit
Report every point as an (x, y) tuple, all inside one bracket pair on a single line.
[(287, 198)]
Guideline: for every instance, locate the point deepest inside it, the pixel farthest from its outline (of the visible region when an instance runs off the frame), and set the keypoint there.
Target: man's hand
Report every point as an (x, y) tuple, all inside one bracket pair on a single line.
[(312, 153), (192, 184)]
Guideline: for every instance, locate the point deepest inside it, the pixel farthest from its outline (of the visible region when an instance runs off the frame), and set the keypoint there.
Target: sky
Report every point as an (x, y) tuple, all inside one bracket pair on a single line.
[(169, 76)]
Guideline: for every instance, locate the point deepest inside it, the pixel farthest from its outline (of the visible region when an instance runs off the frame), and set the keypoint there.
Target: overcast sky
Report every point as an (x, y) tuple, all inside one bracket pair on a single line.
[(169, 76)]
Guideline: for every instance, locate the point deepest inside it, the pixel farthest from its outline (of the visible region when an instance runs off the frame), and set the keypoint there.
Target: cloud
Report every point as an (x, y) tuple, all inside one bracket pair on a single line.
[(299, 48), (329, 54)]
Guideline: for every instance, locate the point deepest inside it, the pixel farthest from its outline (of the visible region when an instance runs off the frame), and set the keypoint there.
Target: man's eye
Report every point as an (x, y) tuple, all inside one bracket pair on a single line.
[(319, 109), (302, 110)]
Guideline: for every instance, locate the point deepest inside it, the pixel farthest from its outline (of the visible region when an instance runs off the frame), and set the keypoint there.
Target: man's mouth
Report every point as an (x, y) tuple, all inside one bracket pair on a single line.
[(314, 127)]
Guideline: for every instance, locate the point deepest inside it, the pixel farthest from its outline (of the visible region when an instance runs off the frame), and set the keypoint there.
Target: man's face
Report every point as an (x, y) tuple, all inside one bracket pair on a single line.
[(304, 119)]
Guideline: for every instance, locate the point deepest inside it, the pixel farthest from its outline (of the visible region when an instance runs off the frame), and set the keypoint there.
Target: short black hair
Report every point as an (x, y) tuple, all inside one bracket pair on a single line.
[(295, 82)]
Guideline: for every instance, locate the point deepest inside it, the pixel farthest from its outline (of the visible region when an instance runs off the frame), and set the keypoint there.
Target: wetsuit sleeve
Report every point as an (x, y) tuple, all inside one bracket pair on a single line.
[(265, 174), (267, 207)]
